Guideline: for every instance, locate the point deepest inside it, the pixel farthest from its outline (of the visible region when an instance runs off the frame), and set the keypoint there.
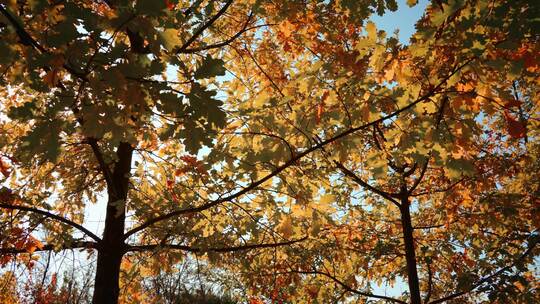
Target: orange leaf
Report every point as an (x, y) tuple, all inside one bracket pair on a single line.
[(188, 159), (286, 29), (17, 231), (179, 172), (320, 111), (33, 244), (4, 259), (465, 87), (51, 78), (169, 5), (516, 129), (20, 244), (513, 103), (4, 168), (255, 301)]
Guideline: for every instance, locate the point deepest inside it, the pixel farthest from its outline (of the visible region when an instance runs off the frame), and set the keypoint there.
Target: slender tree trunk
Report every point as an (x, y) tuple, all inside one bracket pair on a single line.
[(111, 248), (410, 255), (106, 283)]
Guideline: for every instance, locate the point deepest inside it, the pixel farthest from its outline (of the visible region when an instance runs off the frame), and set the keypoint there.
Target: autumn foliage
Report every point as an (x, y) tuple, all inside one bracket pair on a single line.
[(286, 151)]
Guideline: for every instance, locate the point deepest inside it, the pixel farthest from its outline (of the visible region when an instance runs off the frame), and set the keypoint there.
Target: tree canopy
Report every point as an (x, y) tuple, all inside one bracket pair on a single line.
[(294, 149)]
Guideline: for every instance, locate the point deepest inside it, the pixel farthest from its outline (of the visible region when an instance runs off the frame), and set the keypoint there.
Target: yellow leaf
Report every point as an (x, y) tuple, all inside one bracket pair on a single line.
[(429, 107), (371, 31), (260, 100), (285, 227), (170, 39), (327, 199), (286, 28)]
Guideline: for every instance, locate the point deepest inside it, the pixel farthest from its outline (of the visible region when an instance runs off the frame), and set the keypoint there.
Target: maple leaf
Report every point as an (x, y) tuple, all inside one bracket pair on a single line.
[(286, 28), (512, 103), (285, 227), (320, 111), (515, 128), (170, 4), (52, 78), (4, 168), (32, 244)]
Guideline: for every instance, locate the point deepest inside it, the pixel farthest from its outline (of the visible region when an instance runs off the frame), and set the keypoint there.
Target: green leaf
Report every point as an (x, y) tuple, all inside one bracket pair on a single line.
[(205, 106), (43, 139), (209, 68), (194, 137), (170, 39), (151, 7), (6, 52), (457, 168), (465, 280), (171, 103), (64, 33), (23, 112), (167, 131)]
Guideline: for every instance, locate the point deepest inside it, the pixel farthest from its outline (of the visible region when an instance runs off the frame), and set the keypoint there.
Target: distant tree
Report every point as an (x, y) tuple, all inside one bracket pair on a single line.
[(38, 284)]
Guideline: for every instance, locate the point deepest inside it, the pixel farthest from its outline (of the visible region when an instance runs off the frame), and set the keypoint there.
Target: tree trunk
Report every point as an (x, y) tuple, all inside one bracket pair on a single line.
[(106, 283), (111, 248), (410, 255)]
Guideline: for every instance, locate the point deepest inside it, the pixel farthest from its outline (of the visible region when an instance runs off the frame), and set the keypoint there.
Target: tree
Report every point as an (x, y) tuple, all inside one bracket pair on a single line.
[(86, 89), (321, 109), (429, 190), (87, 95)]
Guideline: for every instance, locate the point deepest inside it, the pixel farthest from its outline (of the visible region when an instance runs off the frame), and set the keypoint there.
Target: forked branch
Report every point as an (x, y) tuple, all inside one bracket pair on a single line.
[(199, 31), (294, 159)]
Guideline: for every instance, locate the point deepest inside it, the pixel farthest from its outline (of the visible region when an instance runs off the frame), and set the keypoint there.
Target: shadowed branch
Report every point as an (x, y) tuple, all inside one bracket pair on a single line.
[(210, 249)]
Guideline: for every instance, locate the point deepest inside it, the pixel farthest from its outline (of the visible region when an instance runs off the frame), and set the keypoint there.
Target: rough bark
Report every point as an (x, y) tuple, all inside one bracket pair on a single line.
[(112, 247)]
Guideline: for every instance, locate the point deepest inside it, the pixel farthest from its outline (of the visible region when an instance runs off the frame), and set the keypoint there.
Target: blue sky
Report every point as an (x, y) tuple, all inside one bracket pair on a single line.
[(402, 20)]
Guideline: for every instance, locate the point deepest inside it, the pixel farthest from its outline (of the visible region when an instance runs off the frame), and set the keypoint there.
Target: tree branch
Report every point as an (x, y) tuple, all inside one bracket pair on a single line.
[(348, 288), (24, 36), (424, 167), (438, 190), (216, 249), (225, 42), (27, 39), (101, 161), (49, 247), (422, 173), (52, 216), (199, 32), (430, 283), (365, 185), (293, 160), (529, 250)]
